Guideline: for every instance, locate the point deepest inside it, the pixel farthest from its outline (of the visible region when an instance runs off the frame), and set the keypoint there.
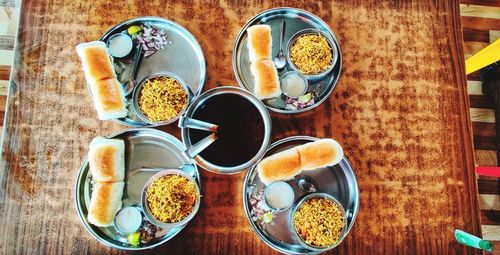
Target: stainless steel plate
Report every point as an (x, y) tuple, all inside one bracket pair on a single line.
[(184, 57), (338, 181), (296, 20), (143, 148)]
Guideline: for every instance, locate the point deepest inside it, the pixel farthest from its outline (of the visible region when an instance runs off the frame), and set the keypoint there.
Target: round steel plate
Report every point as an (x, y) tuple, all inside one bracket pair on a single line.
[(295, 20), (144, 148), (184, 58), (338, 181)]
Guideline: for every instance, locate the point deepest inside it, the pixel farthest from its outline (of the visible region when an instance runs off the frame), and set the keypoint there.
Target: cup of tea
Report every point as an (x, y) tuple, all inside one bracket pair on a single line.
[(243, 134)]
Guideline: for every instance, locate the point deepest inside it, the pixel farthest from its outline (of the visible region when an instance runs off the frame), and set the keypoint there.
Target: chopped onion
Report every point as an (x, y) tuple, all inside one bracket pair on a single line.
[(297, 103), (259, 209), (152, 40)]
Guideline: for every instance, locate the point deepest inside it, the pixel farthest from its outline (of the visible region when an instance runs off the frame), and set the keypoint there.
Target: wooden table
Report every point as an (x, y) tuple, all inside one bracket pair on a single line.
[(400, 111)]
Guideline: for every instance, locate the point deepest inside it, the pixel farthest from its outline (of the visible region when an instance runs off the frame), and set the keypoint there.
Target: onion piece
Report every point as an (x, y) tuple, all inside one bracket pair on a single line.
[(152, 40)]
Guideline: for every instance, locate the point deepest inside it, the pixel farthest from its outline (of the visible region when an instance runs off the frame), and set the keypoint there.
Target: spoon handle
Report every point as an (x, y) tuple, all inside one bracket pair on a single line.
[(129, 85), (186, 122), (188, 168), (282, 34), (201, 145), (137, 60)]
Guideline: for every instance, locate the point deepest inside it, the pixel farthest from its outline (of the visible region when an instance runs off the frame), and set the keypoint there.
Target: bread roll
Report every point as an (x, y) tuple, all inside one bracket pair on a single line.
[(105, 202), (106, 159), (259, 42), (287, 164), (320, 153), (107, 92), (109, 99), (95, 60), (266, 81), (281, 166)]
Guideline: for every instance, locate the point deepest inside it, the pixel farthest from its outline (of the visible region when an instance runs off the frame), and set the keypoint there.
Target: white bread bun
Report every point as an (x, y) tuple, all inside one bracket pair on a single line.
[(95, 61), (106, 159), (259, 42), (281, 166), (266, 80), (105, 202), (285, 165), (109, 99), (320, 153)]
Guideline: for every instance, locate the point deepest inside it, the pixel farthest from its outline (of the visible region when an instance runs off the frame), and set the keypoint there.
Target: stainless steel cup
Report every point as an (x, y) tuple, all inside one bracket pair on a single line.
[(199, 101)]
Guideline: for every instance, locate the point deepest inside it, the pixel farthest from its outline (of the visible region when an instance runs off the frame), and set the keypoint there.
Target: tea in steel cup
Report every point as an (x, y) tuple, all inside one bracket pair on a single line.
[(218, 98)]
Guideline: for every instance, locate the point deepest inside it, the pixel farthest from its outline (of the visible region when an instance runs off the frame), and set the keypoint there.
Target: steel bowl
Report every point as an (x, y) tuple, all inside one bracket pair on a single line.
[(335, 53), (266, 190), (116, 225), (137, 92), (129, 40), (299, 238), (144, 202), (199, 101), (301, 76)]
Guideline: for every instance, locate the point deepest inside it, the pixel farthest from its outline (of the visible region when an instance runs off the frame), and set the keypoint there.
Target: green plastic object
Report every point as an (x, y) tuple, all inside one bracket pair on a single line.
[(472, 241)]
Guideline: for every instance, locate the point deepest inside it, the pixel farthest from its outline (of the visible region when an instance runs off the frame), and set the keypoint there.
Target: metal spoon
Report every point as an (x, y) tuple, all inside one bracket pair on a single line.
[(129, 85), (306, 184), (280, 60), (186, 122), (188, 168), (201, 145)]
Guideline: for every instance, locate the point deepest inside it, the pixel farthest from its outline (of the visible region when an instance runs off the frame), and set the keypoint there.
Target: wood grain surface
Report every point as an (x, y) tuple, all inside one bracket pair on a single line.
[(400, 111)]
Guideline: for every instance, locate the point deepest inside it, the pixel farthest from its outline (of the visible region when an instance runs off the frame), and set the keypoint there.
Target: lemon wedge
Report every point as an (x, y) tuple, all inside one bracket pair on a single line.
[(134, 30), (268, 217), (134, 239), (305, 98)]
